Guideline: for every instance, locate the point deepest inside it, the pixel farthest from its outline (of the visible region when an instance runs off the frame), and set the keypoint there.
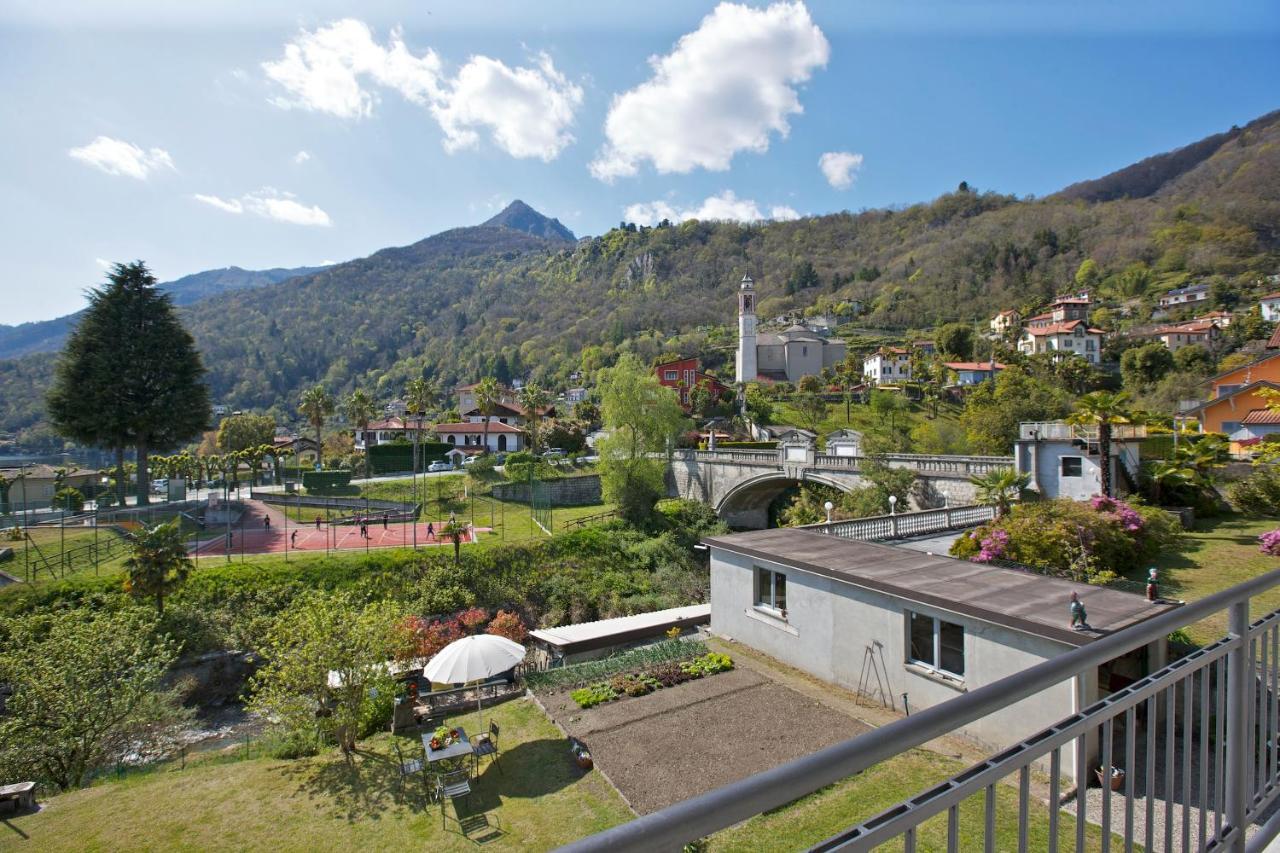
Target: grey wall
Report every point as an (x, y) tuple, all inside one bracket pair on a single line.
[(569, 491)]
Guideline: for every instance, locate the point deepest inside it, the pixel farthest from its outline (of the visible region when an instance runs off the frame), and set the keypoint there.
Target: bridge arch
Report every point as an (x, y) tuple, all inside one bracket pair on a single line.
[(746, 504)]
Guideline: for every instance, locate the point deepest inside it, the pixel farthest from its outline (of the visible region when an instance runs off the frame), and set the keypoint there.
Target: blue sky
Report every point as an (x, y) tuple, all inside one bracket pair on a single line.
[(173, 134)]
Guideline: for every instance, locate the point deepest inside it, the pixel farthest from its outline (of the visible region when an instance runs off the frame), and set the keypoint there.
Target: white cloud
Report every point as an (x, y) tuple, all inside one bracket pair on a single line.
[(223, 204), (723, 89), (102, 262), (338, 69), (301, 157), (270, 203), (840, 168), (725, 206), (117, 157), (528, 110)]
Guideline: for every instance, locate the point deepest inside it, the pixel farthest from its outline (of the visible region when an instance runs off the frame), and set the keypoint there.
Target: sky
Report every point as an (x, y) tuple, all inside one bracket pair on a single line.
[(202, 135)]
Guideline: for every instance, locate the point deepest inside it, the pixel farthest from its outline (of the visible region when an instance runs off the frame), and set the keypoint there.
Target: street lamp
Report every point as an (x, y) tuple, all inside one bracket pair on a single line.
[(893, 504), (828, 506)]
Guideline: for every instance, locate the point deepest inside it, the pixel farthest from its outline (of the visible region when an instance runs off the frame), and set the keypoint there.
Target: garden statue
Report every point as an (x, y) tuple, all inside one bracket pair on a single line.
[(1152, 589), (1079, 619)]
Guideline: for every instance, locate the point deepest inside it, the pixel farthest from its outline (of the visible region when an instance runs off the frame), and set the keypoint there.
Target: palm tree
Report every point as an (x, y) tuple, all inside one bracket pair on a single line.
[(418, 397), (360, 409), (488, 396), (316, 406), (157, 563), (1168, 474), (999, 488), (1102, 409), (533, 398), (454, 530)]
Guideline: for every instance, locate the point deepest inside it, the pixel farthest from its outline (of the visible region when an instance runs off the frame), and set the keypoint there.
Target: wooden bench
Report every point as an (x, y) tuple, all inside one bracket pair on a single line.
[(23, 793)]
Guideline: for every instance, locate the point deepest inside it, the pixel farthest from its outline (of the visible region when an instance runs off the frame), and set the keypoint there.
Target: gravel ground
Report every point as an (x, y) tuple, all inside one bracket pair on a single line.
[(685, 740)]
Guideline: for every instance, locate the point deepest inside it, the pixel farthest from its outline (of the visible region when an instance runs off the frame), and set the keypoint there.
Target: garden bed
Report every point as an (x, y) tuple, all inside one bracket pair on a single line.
[(642, 682)]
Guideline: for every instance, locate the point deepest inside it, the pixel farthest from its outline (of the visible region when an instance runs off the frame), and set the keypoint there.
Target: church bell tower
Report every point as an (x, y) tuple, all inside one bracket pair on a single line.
[(746, 360)]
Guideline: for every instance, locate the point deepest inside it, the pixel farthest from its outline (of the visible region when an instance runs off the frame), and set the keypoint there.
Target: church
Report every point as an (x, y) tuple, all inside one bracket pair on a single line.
[(782, 357)]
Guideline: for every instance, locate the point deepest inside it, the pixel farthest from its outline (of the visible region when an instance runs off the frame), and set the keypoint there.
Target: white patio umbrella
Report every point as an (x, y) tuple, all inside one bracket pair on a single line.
[(473, 658)]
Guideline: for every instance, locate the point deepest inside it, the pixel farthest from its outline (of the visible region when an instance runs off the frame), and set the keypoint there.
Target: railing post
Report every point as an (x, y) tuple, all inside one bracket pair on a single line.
[(1237, 722)]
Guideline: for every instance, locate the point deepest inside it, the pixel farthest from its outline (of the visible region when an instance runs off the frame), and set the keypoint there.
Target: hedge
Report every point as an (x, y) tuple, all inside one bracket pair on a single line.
[(393, 458), (325, 482), (1160, 445)]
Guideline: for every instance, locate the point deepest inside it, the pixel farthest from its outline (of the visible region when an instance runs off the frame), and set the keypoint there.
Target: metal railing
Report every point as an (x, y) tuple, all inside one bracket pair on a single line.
[(922, 463), (905, 524), (1199, 739), (1060, 430)]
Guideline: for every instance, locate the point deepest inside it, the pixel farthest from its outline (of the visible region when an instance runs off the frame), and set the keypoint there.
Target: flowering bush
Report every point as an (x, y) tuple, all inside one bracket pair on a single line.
[(426, 638), (1092, 541), (1271, 542), (508, 625), (472, 618)]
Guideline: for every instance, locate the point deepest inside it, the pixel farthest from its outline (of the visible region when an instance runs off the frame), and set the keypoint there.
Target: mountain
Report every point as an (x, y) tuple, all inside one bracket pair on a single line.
[(49, 335), (498, 300), (519, 216)]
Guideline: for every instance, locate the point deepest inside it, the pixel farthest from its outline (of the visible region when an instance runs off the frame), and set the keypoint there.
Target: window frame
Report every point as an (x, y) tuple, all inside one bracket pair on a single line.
[(671, 375), (770, 605), (936, 649), (1062, 468)]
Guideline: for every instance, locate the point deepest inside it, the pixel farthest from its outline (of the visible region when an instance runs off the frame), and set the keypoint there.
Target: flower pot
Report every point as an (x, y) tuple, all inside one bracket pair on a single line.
[(1117, 778)]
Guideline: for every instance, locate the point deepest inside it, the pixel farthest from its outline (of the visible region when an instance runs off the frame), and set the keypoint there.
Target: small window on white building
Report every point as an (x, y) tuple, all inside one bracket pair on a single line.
[(1072, 466), (771, 590), (935, 643)]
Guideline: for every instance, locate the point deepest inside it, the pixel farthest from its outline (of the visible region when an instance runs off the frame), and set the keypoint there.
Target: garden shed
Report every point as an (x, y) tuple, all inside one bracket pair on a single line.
[(584, 641)]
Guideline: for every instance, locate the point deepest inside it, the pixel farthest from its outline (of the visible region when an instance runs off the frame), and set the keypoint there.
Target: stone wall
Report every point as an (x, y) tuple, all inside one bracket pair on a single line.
[(570, 491)]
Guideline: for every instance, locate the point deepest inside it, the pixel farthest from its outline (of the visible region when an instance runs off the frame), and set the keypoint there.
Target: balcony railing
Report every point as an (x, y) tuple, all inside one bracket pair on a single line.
[(906, 524), (1058, 430), (1199, 738)]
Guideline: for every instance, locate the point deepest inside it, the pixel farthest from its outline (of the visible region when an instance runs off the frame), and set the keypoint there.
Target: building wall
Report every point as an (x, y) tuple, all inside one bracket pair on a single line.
[(830, 625), (1226, 414), (771, 357), (804, 358), (833, 353), (514, 441), (1270, 310), (1263, 371)]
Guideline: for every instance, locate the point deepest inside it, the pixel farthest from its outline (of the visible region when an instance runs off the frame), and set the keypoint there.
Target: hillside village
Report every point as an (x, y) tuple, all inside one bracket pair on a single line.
[(942, 526)]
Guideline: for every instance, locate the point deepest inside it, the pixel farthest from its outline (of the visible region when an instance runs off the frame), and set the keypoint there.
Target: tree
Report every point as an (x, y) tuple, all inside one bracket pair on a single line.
[(419, 394), (1087, 275), (319, 634), (999, 488), (360, 410), (587, 413), (534, 399), (811, 408), (700, 400), (955, 340), (758, 407), (488, 396), (1194, 358), (157, 563), (994, 410), (455, 531), (1145, 365), (809, 384), (642, 418), (240, 432), (129, 374), (88, 688), (802, 277), (1102, 409), (316, 406)]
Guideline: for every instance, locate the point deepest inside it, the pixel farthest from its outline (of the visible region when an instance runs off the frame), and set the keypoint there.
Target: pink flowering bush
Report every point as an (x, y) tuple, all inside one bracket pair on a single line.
[(1093, 541), (1270, 542)]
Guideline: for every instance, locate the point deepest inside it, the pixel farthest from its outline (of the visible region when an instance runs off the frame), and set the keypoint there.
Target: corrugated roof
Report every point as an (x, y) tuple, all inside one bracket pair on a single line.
[(1030, 603), (592, 633)]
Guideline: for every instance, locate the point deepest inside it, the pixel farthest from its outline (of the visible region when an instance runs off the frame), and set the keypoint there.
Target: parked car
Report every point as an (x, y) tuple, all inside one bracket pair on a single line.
[(553, 453), (160, 487), (438, 466)]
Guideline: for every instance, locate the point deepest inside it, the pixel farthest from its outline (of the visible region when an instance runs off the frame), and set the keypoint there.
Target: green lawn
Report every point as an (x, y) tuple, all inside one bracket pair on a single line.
[(1218, 553), (537, 800), (51, 553), (864, 420), (851, 801)]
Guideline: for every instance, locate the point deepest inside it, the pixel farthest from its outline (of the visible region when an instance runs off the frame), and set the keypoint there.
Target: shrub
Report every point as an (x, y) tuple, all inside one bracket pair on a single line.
[(1259, 493), (508, 625), (325, 482), (708, 664), (1270, 542), (287, 746), (589, 697)]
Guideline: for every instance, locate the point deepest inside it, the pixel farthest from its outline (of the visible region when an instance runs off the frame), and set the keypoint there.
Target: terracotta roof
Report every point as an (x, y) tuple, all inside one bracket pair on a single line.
[(1274, 343), (495, 427), (1262, 416), (1008, 312), (1194, 327), (1066, 328), (513, 408), (1275, 295), (676, 361), (1048, 316), (972, 365), (400, 423)]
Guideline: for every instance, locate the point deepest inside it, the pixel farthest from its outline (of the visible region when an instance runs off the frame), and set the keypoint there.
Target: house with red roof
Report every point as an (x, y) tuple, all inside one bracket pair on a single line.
[(683, 375), (972, 372), (1074, 336)]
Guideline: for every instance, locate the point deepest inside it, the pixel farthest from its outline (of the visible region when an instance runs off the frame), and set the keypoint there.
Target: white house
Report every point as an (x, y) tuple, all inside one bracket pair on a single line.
[(909, 627), (1065, 460), (1006, 321), (1074, 336), (1188, 295), (503, 438), (381, 432), (887, 366), (973, 372), (1270, 305)]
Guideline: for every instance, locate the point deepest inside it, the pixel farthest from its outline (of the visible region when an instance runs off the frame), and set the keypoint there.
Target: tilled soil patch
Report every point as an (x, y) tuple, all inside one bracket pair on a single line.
[(681, 741)]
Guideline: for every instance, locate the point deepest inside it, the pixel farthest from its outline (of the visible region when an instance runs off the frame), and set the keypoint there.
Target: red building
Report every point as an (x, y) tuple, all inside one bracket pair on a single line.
[(683, 375)]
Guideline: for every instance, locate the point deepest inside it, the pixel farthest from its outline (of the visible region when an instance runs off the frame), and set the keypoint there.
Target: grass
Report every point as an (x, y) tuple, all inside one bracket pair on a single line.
[(863, 419), (851, 801), (1216, 554), (51, 553), (536, 801)]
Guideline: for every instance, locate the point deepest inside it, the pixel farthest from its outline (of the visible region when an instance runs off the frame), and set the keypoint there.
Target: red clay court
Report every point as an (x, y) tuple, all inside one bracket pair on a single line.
[(251, 537)]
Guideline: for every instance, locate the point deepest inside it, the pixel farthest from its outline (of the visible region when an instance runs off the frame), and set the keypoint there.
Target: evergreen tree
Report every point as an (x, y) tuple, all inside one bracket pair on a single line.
[(130, 374)]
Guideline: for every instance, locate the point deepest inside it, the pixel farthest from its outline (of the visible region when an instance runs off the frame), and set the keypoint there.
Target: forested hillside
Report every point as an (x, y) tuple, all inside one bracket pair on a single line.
[(50, 335), (493, 300)]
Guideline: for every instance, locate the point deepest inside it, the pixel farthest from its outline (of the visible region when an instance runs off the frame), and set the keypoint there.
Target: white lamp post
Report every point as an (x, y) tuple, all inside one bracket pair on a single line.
[(893, 504), (828, 506)]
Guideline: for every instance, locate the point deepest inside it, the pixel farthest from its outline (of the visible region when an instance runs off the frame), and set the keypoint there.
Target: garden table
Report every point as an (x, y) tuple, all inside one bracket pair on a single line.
[(459, 750)]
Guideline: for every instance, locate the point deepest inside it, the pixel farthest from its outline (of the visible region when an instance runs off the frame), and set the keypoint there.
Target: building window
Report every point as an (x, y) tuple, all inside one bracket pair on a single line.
[(771, 590), (804, 350), (670, 375), (935, 643), (1072, 466), (1230, 426)]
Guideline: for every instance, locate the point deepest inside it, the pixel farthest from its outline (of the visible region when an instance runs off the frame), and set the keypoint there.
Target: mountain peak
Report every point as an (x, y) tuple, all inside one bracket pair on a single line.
[(519, 216)]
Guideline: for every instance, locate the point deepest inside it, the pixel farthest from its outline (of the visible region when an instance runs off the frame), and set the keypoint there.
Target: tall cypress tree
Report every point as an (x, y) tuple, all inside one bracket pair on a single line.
[(130, 374)]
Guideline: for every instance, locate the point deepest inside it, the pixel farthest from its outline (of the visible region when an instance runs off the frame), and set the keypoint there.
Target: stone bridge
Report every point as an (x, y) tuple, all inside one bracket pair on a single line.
[(740, 484)]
